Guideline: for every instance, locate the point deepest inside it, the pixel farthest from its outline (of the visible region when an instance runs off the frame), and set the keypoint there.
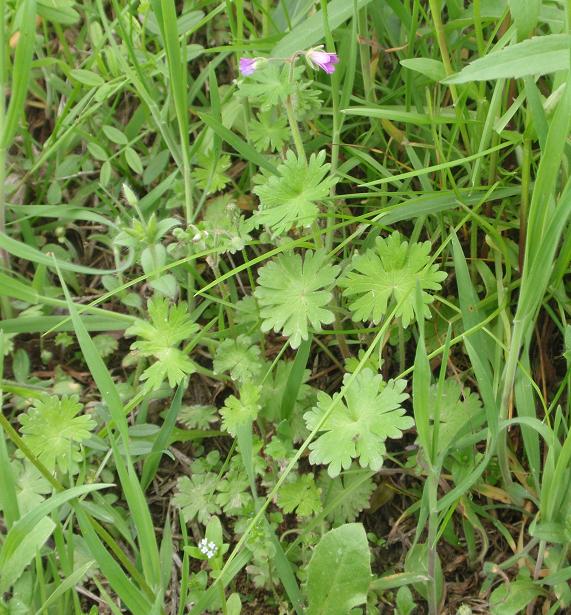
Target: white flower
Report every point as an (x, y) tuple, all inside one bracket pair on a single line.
[(207, 548)]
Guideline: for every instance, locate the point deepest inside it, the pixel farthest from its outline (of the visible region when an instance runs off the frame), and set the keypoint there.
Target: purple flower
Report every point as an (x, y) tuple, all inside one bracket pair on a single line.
[(324, 60), (248, 66)]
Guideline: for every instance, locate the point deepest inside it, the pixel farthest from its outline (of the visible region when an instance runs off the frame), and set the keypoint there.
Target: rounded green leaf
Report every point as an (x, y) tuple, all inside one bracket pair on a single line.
[(339, 572)]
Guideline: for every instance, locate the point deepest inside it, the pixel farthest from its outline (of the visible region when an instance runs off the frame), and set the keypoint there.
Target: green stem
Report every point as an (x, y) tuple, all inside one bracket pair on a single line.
[(435, 10), (524, 203), (187, 182), (364, 56), (432, 533), (295, 130), (337, 122), (478, 28), (3, 253), (223, 599), (266, 18), (509, 379)]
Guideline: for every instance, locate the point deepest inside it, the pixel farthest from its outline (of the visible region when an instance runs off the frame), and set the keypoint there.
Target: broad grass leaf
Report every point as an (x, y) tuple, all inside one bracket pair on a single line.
[(30, 544), (525, 14), (87, 77), (31, 531), (311, 30), (433, 69), (537, 56)]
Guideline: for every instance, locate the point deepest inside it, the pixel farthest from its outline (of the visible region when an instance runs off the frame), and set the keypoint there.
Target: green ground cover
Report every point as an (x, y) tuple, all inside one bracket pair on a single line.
[(284, 312)]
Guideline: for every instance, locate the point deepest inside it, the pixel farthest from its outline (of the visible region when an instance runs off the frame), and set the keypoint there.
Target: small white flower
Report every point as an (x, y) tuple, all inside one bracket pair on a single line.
[(207, 548)]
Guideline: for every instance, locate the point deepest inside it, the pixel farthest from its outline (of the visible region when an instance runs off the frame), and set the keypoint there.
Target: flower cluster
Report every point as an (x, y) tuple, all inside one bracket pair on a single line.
[(207, 548), (315, 57)]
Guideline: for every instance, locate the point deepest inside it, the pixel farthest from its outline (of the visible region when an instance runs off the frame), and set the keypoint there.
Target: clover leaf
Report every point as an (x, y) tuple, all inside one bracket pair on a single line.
[(359, 424), (53, 431), (291, 198), (293, 292), (388, 272)]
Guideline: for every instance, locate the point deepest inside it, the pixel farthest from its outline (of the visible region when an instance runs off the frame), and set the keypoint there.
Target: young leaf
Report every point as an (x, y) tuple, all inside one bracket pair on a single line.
[(239, 357), (358, 425), (195, 496), (302, 496), (269, 132), (269, 86), (339, 572), (290, 199), (169, 326), (292, 292), (210, 174), (388, 272), (237, 412)]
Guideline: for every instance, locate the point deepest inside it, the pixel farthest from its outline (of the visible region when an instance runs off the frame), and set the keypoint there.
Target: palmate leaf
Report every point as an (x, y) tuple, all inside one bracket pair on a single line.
[(291, 198), (197, 416), (239, 357), (269, 132), (348, 493), (233, 492), (359, 424), (30, 484), (171, 364), (268, 86), (292, 293), (195, 496), (170, 325), (271, 85), (53, 431), (210, 172), (389, 273), (302, 496), (238, 412)]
